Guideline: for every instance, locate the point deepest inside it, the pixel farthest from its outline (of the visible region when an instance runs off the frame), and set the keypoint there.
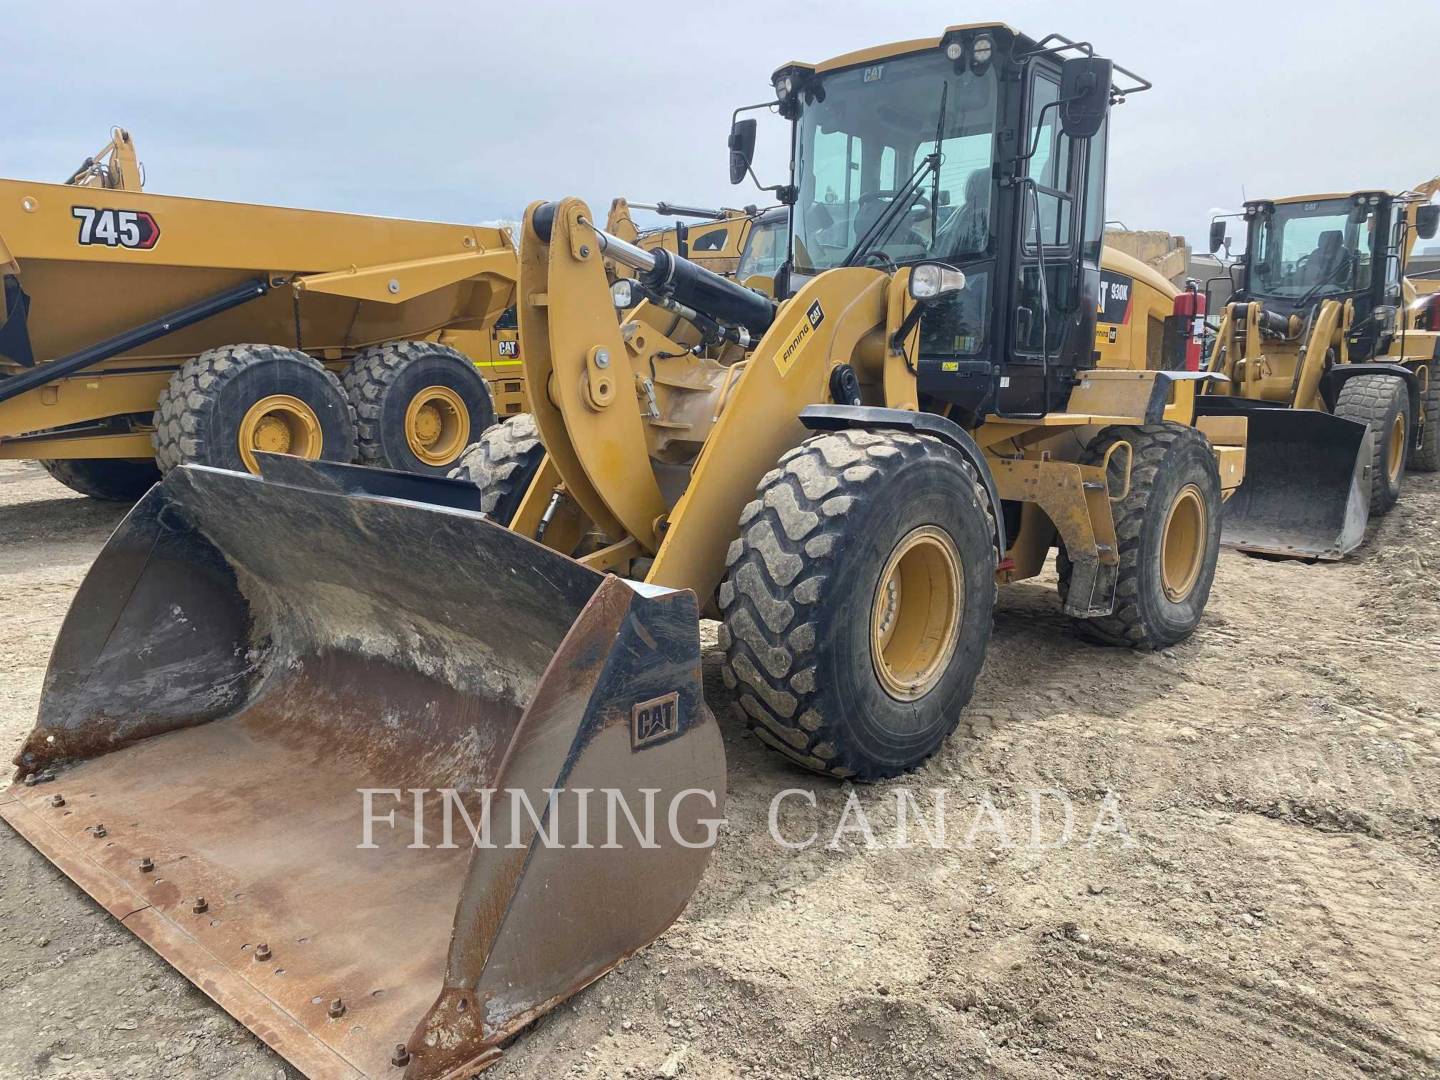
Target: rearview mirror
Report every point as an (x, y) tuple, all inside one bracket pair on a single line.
[(742, 148), (1084, 95), (1427, 217), (1218, 236)]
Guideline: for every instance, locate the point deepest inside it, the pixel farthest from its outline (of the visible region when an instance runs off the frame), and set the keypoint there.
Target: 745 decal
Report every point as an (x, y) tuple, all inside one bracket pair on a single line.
[(116, 228)]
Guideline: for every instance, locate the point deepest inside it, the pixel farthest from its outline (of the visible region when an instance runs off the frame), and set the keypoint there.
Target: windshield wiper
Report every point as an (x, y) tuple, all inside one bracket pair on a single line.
[(900, 204)]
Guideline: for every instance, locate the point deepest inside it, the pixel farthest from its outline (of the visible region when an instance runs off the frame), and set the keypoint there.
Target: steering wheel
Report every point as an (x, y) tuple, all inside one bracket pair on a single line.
[(887, 196)]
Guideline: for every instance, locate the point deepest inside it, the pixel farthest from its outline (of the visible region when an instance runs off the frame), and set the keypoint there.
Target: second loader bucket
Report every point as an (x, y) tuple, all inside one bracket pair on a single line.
[(269, 698), (1306, 492)]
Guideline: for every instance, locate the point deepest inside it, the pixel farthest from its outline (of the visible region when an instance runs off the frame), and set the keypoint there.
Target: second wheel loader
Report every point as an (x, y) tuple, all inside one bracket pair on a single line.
[(1334, 373), (844, 475)]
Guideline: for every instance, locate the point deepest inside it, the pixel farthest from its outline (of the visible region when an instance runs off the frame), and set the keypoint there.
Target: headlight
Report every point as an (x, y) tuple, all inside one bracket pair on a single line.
[(931, 280), (984, 47), (625, 294), (784, 85), (954, 51)]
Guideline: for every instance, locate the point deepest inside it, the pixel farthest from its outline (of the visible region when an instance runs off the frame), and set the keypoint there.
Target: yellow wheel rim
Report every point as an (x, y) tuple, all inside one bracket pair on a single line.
[(279, 424), (437, 425), (1182, 544), (1395, 465), (915, 615)]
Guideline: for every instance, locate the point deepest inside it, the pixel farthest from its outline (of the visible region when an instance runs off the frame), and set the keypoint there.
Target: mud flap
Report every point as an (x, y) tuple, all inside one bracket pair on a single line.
[(385, 780), (1306, 492)]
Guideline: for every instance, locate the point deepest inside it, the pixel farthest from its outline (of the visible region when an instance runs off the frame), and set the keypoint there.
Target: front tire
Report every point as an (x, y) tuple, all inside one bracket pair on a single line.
[(1382, 403), (226, 405), (502, 464), (121, 480), (858, 601), (1168, 532)]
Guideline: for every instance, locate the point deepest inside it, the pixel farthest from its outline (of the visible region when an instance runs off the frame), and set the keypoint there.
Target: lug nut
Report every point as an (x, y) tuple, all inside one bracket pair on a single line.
[(337, 1009), (57, 800), (262, 952), (200, 906), (401, 1057), (147, 864), (31, 779), (100, 832)]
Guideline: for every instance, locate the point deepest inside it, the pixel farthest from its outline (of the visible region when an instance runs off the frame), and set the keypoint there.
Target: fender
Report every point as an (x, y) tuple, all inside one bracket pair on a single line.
[(1337, 376), (874, 418)]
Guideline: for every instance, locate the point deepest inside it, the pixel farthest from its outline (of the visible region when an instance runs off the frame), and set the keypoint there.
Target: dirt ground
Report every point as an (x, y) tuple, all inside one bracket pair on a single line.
[(1259, 900)]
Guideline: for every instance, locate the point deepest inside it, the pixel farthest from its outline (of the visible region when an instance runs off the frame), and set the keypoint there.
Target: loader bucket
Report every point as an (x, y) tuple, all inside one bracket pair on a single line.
[(1306, 492), (267, 695)]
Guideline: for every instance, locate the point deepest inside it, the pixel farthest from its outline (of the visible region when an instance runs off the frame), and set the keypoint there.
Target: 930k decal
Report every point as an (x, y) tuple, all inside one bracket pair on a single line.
[(116, 228)]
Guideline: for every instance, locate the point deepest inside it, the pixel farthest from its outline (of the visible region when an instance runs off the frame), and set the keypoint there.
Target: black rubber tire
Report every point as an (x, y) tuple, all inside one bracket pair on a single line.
[(502, 464), (1167, 458), (197, 420), (381, 382), (1426, 456), (797, 593), (1374, 400), (121, 480)]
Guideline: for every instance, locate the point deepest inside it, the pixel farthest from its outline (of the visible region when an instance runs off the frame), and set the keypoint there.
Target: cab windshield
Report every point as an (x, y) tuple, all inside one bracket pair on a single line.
[(1313, 249), (863, 134), (764, 248)]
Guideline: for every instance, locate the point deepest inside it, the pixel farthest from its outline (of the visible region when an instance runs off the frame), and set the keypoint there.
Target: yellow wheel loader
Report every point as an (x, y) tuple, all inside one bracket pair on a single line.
[(143, 331), (1331, 366), (274, 694)]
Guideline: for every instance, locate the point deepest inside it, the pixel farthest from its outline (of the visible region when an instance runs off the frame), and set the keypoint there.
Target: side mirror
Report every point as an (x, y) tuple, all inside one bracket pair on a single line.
[(1427, 218), (1217, 236), (1084, 95), (742, 148)]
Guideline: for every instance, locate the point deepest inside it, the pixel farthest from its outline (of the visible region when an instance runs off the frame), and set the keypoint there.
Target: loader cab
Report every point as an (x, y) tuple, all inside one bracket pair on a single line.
[(1303, 251), (983, 151)]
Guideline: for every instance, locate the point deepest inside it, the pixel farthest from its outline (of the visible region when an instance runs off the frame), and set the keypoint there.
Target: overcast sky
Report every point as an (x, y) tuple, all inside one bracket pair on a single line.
[(467, 111)]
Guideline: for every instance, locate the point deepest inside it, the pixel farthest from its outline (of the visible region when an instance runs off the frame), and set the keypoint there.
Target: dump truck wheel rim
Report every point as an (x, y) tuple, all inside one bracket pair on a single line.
[(1182, 547), (915, 615), (437, 425), (1395, 462), (279, 424)]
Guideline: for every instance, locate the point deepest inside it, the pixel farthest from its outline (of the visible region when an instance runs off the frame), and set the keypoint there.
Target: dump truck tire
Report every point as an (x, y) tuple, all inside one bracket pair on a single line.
[(858, 601), (1168, 532), (119, 480), (418, 405), (1426, 456), (502, 464), (269, 397), (1382, 403)]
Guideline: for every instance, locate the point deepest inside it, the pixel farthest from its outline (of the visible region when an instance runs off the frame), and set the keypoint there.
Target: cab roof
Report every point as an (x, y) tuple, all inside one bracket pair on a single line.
[(897, 48)]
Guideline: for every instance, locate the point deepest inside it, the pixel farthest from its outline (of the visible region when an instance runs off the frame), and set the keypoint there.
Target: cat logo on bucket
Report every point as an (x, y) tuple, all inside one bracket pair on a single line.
[(654, 721)]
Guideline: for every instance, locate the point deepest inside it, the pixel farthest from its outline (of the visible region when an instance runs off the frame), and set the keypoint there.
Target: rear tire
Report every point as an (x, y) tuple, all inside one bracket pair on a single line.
[(418, 405), (1168, 531), (265, 396), (858, 602), (121, 480), (502, 464), (1381, 403), (1426, 456)]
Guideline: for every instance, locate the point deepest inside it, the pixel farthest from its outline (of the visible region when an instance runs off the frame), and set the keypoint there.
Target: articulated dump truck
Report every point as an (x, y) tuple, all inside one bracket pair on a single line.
[(141, 332), (273, 690)]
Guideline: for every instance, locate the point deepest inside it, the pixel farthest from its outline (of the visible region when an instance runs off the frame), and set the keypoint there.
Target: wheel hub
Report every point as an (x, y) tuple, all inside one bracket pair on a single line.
[(279, 424), (915, 613), (1395, 464), (437, 425), (1183, 543)]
